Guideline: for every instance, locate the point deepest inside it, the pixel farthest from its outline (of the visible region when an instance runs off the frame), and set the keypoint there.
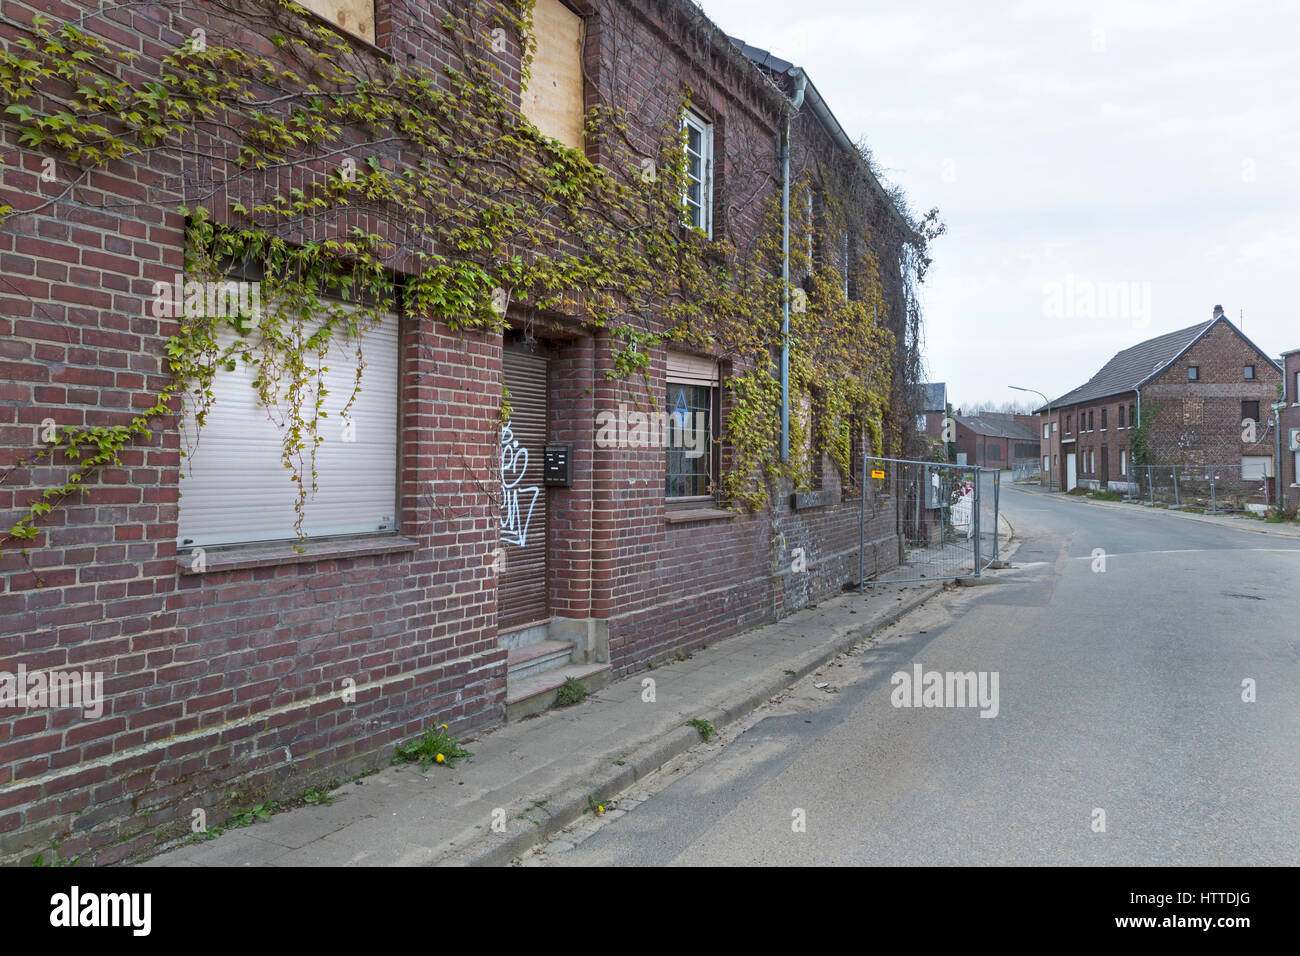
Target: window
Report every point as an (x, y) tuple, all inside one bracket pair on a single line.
[(1250, 409), (1054, 427), (920, 423), (1123, 461), (1132, 416), (236, 490), (699, 172), (1090, 421), (553, 99), (355, 16), (1295, 394), (1067, 423), (1250, 373), (1103, 419), (1120, 423), (1045, 432), (690, 426), (1193, 373), (1046, 466)]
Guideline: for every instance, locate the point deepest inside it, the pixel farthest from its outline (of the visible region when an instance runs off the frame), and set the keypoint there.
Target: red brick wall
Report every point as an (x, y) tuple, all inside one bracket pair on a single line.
[(1290, 481), (234, 679), (1217, 440)]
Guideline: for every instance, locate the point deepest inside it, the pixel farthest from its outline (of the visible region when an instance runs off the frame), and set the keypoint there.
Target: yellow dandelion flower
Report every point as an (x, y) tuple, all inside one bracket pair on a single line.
[(441, 758)]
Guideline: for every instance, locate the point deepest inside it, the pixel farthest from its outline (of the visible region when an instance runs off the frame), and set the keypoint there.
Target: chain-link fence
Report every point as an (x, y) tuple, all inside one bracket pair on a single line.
[(946, 519), (1212, 488)]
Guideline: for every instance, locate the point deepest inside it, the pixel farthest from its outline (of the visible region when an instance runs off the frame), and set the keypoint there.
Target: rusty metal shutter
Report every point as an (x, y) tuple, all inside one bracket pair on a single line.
[(521, 598)]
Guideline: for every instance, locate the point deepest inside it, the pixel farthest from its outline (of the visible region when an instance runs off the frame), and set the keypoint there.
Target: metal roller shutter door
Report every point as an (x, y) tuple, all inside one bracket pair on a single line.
[(521, 598)]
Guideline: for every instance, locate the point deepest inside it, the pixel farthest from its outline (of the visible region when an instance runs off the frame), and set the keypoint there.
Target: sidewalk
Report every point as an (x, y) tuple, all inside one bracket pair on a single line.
[(1287, 529), (540, 771)]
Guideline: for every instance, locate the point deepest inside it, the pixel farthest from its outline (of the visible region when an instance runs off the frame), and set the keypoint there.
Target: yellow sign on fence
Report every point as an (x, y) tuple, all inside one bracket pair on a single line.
[(877, 474)]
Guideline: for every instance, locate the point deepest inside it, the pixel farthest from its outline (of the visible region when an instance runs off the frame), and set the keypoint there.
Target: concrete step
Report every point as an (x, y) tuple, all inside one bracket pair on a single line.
[(532, 695), (536, 658)]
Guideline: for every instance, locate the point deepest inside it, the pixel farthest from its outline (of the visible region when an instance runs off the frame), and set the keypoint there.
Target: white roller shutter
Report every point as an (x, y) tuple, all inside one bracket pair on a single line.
[(235, 489)]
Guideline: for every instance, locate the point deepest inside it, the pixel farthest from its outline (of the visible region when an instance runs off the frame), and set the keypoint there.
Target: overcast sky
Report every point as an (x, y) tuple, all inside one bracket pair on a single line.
[(1109, 171)]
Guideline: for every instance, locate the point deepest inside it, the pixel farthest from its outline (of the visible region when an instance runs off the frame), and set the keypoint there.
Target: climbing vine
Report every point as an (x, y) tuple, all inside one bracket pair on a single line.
[(351, 187)]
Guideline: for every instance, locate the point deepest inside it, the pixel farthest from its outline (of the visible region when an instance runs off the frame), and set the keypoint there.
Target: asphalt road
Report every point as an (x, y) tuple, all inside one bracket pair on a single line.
[(1118, 691)]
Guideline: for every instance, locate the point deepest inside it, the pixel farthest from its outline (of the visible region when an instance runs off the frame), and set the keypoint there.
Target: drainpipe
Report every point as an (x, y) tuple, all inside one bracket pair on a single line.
[(800, 87)]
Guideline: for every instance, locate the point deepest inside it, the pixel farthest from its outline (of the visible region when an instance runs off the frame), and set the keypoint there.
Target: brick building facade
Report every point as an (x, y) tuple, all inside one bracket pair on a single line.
[(1289, 421), (995, 440), (1194, 387), (227, 673)]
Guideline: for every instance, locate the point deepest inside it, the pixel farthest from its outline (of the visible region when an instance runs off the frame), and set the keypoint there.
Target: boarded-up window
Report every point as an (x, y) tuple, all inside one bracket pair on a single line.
[(355, 16), (1193, 411), (553, 98)]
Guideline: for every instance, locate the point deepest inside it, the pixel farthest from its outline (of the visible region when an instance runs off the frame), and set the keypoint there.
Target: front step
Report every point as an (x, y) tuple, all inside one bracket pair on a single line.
[(533, 659), (532, 695)]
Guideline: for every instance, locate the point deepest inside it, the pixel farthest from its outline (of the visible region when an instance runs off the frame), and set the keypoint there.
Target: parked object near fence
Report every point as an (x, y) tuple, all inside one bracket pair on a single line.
[(947, 515)]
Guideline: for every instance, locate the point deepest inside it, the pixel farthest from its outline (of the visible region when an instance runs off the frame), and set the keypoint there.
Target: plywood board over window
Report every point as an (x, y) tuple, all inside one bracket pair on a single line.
[(355, 16), (553, 99)]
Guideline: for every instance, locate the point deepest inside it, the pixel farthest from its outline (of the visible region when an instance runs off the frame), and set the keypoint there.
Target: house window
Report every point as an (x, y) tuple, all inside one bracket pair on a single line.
[(1132, 416), (1103, 419), (553, 99), (1193, 373), (920, 423), (1250, 373), (690, 426), (1067, 423), (355, 16), (1091, 421), (1045, 431), (1120, 423), (1054, 427), (1250, 409), (1046, 467), (1295, 395), (698, 196), (235, 488)]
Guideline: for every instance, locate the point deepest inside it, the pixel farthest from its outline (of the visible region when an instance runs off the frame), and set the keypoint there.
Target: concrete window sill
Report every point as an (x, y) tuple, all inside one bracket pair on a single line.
[(686, 515), (269, 555)]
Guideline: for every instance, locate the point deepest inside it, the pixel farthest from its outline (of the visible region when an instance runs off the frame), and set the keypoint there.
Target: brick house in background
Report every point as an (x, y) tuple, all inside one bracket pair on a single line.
[(1194, 386), (411, 584), (1289, 466), (931, 401), (995, 440)]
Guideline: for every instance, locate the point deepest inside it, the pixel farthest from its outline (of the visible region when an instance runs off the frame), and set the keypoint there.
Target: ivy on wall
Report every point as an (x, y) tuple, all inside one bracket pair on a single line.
[(335, 171)]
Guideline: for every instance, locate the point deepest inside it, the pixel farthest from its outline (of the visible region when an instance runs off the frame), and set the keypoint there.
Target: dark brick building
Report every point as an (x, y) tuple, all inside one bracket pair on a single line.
[(1194, 387), (417, 599), (1289, 466), (995, 440)]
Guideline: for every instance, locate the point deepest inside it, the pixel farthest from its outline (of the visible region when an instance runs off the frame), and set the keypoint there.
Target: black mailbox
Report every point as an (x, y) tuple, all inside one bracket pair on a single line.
[(557, 468)]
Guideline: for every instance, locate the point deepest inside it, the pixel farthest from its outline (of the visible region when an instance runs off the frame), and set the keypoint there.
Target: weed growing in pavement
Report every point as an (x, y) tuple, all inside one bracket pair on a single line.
[(432, 748), (706, 729), (571, 692)]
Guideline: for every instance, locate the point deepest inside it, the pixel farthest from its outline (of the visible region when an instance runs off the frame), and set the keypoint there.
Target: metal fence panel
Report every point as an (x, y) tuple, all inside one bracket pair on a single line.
[(946, 516), (1211, 488)]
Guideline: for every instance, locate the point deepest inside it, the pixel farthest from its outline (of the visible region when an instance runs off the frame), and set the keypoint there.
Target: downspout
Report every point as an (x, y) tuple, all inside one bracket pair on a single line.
[(1138, 393), (800, 87)]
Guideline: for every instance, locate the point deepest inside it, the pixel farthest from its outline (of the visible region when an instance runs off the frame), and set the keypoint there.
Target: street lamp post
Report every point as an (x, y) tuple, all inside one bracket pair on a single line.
[(1051, 477)]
